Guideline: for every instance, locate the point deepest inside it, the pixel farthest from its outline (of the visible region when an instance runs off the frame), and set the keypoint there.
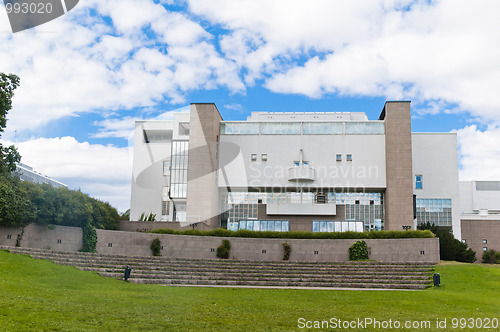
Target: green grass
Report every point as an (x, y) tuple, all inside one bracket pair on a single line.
[(39, 295)]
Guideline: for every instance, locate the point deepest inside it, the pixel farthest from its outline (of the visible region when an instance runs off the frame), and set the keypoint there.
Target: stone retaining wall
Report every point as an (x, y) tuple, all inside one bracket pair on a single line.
[(61, 238), (205, 247)]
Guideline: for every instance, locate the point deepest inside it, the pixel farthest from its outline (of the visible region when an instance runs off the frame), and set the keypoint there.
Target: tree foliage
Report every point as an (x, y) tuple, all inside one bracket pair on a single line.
[(23, 202), (15, 206), (8, 155)]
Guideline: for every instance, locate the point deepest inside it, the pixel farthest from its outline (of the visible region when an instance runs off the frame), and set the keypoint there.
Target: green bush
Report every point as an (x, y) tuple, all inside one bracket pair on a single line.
[(156, 247), (358, 251), (287, 249), (224, 249), (220, 232), (491, 257), (19, 238), (89, 237), (450, 249)]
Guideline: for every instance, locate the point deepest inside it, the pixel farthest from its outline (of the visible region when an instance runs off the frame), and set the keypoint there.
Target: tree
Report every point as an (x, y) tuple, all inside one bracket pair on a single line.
[(8, 155), (15, 207)]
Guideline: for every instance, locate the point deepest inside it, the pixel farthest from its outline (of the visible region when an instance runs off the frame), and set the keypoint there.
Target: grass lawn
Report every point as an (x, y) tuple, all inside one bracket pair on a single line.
[(39, 295)]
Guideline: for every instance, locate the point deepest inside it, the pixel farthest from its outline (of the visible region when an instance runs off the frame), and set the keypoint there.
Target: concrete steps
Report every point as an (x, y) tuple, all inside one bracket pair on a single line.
[(176, 271)]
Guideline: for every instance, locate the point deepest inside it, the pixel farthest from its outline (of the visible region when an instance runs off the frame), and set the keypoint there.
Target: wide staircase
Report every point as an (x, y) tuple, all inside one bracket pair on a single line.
[(218, 272)]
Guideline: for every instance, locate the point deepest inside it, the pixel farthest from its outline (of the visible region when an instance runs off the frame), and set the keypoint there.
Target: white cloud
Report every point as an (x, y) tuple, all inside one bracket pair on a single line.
[(101, 171), (479, 153), (442, 51), (77, 63)]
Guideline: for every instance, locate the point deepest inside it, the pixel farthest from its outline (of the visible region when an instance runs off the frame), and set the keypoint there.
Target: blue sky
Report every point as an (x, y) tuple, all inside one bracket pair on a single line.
[(86, 76)]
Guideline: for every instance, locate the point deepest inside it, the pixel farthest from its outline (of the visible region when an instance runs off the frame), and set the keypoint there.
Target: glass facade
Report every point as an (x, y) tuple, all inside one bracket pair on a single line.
[(280, 128), (436, 211), (305, 128), (364, 128), (260, 225), (323, 128), (361, 207), (329, 226), (239, 128), (179, 169)]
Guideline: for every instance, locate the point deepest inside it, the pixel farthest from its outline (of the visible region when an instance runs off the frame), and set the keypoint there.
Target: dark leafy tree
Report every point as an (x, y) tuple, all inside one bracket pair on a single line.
[(450, 248), (8, 155), (15, 207)]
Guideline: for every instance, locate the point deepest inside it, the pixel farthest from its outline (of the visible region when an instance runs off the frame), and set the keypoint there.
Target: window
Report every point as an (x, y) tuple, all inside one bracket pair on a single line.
[(166, 168), (296, 163), (261, 225), (280, 128), (339, 157), (239, 128), (337, 226), (264, 157), (157, 136), (179, 169), (305, 163), (59, 241), (253, 157), (165, 208), (436, 211), (363, 128), (322, 128), (9, 236), (349, 157), (485, 248), (464, 241), (485, 241), (418, 181), (183, 128), (320, 198)]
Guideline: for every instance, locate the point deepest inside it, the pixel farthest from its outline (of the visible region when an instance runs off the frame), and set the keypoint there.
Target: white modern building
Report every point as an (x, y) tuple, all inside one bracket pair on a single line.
[(27, 173), (295, 171)]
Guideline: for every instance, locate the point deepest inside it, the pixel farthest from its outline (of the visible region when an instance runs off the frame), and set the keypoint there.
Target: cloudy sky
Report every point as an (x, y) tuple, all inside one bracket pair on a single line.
[(86, 76)]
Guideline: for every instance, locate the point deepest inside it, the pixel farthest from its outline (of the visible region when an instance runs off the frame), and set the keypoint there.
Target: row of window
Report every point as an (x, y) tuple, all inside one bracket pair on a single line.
[(485, 241), (263, 157), (284, 226), (304, 128), (260, 225), (234, 197), (337, 226)]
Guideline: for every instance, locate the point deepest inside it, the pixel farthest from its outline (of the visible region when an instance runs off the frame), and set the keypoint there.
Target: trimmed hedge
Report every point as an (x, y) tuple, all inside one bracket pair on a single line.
[(220, 232)]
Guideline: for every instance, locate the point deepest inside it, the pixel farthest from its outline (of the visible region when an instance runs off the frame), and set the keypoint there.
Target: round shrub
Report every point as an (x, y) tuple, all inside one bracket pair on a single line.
[(223, 249), (156, 247), (358, 251)]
